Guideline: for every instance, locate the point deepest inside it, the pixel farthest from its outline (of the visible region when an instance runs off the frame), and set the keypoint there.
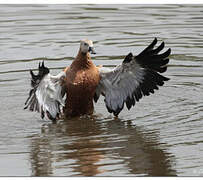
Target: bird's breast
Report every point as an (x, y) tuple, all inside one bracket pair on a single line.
[(82, 81)]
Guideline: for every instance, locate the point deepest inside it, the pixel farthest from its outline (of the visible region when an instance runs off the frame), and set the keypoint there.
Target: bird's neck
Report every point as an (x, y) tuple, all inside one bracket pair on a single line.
[(83, 59)]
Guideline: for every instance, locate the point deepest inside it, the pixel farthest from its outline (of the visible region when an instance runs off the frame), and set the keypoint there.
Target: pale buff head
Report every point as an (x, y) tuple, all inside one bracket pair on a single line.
[(87, 46)]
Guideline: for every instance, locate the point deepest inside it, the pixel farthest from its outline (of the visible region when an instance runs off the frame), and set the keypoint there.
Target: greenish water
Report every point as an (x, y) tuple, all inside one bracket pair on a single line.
[(161, 135)]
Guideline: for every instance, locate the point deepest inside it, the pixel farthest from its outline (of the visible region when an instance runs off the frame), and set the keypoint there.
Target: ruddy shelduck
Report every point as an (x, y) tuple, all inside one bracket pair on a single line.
[(72, 91)]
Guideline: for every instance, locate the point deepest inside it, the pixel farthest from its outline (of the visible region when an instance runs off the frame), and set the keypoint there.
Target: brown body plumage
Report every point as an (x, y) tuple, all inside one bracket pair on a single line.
[(81, 82)]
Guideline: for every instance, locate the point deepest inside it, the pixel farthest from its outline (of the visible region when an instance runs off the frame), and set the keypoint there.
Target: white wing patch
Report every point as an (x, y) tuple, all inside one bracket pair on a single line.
[(119, 84), (49, 95)]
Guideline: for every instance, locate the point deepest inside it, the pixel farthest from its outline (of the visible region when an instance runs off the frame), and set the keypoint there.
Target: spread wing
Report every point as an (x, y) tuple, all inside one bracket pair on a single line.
[(46, 94), (136, 77)]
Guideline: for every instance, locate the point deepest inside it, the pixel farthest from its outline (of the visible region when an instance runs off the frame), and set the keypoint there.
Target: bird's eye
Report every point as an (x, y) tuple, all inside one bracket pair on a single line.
[(85, 44)]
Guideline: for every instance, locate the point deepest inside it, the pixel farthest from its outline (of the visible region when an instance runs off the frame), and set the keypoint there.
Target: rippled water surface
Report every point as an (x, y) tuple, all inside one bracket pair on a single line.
[(162, 135)]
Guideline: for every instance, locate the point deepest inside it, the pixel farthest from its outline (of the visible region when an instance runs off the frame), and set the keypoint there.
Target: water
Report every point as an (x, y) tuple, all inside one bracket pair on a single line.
[(162, 135)]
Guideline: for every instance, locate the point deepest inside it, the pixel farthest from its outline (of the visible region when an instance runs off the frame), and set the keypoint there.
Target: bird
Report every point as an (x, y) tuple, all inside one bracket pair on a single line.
[(74, 90)]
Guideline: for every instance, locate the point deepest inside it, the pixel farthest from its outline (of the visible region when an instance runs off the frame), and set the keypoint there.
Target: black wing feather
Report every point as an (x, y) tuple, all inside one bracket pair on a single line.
[(149, 57)]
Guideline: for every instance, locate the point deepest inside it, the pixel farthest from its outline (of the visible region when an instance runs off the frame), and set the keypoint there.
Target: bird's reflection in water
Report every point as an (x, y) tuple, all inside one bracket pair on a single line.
[(89, 146)]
